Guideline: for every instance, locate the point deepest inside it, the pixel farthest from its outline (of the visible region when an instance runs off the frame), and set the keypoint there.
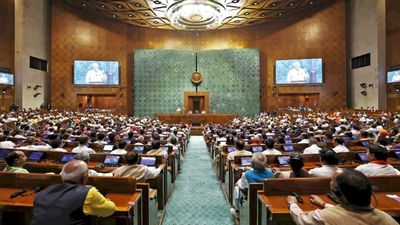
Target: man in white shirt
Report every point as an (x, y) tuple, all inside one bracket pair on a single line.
[(34, 144), (95, 75), (339, 145), (378, 165), (239, 151), (5, 144), (136, 170), (297, 74), (353, 192), (121, 149), (83, 140), (313, 148), (329, 162), (270, 148)]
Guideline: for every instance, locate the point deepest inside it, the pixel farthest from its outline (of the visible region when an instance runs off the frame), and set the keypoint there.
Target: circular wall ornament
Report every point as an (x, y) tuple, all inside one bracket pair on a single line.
[(196, 77)]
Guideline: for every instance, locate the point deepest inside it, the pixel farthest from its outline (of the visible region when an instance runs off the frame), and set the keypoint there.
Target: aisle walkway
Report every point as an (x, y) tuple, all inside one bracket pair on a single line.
[(197, 198)]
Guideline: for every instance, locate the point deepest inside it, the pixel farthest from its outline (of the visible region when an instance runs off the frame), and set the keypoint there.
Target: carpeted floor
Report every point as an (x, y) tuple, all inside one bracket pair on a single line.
[(197, 198)]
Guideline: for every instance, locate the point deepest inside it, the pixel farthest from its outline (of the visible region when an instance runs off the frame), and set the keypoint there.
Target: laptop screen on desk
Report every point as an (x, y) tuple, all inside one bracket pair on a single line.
[(3, 154), (148, 161), (111, 160), (365, 143), (288, 148), (108, 148), (245, 161), (139, 149), (67, 157), (363, 157), (283, 160), (397, 154), (231, 149), (257, 149), (35, 156)]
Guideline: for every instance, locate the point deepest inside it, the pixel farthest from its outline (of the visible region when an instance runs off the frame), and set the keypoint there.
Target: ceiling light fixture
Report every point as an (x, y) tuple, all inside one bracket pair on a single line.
[(196, 14)]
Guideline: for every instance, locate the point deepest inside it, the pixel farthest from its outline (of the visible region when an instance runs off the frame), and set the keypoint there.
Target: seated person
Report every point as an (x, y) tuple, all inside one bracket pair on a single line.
[(100, 138), (31, 143), (56, 146), (353, 192), (296, 163), (270, 148), (329, 162), (258, 173), (15, 161), (71, 202), (6, 144), (339, 145), (82, 147), (239, 151), (304, 139), (85, 157), (156, 150), (136, 170), (121, 149), (377, 165), (313, 148)]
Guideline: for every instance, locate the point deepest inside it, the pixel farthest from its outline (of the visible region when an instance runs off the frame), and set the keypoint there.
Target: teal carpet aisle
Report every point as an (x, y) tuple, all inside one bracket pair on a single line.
[(197, 198)]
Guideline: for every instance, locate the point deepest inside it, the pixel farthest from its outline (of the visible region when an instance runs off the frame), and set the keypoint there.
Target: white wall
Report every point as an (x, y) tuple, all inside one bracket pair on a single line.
[(32, 38), (367, 35)]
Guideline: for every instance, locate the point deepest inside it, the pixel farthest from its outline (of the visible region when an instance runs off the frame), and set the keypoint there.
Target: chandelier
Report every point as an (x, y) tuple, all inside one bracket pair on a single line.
[(196, 14)]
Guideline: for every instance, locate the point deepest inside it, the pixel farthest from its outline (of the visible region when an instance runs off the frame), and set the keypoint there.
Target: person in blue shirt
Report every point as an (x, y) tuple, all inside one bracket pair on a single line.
[(258, 173)]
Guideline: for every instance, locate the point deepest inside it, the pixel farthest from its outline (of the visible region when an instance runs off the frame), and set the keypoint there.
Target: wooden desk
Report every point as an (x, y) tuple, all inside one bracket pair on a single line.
[(202, 118), (274, 209), (127, 200)]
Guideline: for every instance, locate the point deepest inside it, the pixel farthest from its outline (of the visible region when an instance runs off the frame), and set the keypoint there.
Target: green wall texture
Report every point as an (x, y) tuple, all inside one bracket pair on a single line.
[(231, 76)]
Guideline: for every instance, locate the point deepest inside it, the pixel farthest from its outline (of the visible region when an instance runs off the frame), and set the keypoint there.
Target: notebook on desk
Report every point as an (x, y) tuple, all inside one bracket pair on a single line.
[(256, 148), (283, 160), (288, 148), (111, 160), (67, 157), (4, 153), (35, 156), (363, 157), (108, 148), (148, 161), (231, 149), (138, 149), (245, 161)]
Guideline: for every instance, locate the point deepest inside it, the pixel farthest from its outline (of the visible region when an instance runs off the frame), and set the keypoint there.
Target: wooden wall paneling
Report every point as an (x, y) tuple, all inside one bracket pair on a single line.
[(320, 33)]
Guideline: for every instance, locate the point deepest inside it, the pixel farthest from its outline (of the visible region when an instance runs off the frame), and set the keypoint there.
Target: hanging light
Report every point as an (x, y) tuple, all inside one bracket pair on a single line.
[(196, 14)]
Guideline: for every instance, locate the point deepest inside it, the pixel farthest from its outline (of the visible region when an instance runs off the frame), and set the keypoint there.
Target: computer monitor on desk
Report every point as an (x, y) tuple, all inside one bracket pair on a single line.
[(283, 160), (148, 161), (35, 156), (138, 149), (108, 148), (67, 157), (256, 148), (288, 148), (245, 161), (231, 149), (4, 153), (111, 160)]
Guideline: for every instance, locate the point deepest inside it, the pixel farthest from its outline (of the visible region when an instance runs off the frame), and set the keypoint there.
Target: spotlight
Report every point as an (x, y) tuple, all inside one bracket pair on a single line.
[(370, 85), (364, 93), (363, 85)]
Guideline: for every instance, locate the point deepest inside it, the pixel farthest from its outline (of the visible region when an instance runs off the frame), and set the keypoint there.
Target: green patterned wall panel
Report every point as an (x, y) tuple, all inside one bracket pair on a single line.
[(230, 76)]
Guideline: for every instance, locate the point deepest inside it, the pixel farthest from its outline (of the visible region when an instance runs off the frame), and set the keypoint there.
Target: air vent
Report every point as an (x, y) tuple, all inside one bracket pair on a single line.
[(361, 61), (36, 63)]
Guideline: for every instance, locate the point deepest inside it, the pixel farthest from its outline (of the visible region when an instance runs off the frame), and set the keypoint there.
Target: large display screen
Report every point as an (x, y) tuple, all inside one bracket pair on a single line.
[(299, 71), (393, 76), (96, 72), (6, 78)]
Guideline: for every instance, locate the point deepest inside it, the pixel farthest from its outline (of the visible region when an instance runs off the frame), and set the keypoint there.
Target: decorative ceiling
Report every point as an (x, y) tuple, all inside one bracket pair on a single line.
[(195, 14)]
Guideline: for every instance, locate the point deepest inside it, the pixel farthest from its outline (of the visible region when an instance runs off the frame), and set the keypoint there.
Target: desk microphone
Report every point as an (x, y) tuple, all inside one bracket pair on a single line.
[(298, 197), (18, 193)]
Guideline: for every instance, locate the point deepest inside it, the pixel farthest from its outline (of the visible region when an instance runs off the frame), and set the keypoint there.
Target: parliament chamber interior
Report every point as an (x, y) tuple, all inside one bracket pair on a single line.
[(200, 112)]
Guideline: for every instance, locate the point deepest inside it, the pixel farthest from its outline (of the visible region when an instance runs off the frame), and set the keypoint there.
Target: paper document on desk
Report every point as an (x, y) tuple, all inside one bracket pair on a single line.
[(395, 197)]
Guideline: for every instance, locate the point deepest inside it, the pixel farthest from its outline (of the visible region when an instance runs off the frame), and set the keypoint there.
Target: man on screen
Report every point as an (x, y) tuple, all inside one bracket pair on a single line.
[(297, 74), (95, 75), (3, 79), (395, 78)]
